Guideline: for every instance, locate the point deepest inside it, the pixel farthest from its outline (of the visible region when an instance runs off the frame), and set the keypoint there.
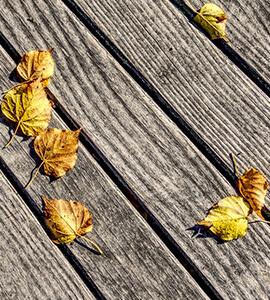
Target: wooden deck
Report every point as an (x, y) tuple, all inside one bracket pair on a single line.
[(161, 107)]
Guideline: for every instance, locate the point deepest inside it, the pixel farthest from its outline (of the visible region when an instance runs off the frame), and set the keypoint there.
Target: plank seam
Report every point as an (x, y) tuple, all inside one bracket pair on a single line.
[(71, 258), (233, 55), (123, 186)]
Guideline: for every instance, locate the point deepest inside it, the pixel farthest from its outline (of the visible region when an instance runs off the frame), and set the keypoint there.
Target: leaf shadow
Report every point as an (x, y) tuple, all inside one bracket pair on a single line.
[(200, 232), (84, 245)]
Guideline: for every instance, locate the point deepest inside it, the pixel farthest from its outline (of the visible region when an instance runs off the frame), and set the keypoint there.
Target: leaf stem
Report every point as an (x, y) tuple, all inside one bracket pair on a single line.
[(93, 243), (12, 136), (34, 175), (259, 221)]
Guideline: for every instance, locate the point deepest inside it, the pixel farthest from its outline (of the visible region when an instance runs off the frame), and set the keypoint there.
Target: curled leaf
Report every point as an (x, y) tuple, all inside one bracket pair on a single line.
[(228, 218), (68, 220), (28, 106), (213, 20), (37, 64), (253, 186)]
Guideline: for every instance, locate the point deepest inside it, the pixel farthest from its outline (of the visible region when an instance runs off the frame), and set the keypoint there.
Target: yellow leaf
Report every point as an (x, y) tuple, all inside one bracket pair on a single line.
[(67, 220), (213, 20), (28, 106), (228, 218), (253, 187), (58, 150), (37, 64)]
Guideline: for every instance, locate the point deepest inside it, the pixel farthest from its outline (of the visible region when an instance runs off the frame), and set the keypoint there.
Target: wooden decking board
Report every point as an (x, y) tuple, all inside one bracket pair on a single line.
[(155, 159), (153, 92), (126, 190), (137, 265), (197, 79), (31, 267), (248, 30), (35, 209)]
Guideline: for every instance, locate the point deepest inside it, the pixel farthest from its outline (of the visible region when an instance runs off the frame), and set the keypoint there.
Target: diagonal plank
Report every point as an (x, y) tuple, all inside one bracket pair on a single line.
[(137, 265), (178, 184), (248, 30), (31, 267), (228, 110)]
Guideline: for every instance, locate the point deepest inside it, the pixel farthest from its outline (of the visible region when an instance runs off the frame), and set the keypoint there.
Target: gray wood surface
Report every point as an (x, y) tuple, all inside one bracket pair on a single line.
[(154, 157), (31, 267), (178, 185), (248, 28), (137, 265), (225, 107)]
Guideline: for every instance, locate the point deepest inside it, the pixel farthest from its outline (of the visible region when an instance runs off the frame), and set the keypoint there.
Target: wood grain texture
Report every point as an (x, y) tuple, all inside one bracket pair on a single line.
[(137, 265), (228, 110), (157, 161), (248, 30), (31, 267)]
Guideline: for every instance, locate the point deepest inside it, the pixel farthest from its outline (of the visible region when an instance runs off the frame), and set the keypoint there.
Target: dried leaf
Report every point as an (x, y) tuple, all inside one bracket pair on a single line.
[(58, 150), (213, 20), (28, 106), (68, 220), (228, 218), (253, 187), (37, 64)]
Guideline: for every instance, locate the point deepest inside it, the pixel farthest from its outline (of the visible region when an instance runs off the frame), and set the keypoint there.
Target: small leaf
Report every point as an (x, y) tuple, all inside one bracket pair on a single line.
[(228, 218), (68, 220), (37, 64), (58, 150), (213, 20), (253, 187), (28, 106)]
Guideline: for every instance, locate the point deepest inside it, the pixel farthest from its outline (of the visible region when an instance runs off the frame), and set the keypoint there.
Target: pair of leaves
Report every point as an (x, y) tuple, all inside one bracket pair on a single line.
[(27, 104), (228, 218), (213, 20), (68, 220)]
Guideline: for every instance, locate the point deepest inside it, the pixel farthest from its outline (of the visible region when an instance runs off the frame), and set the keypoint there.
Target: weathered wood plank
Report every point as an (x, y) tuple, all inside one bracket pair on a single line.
[(177, 184), (137, 265), (31, 267), (228, 110), (248, 30)]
